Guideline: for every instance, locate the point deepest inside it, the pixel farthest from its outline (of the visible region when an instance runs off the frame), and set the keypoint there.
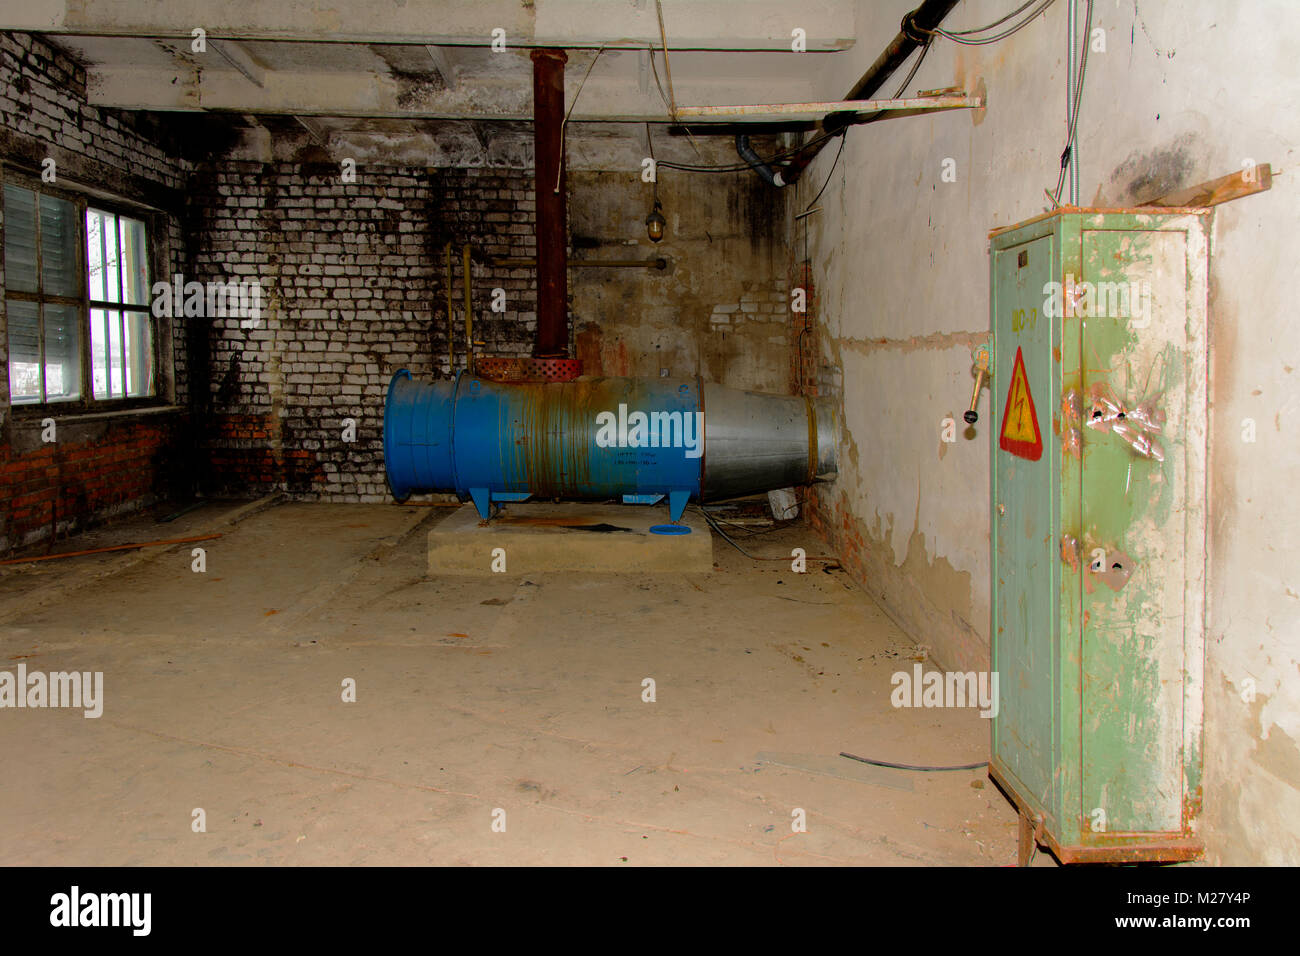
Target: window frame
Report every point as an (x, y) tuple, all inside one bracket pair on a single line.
[(83, 201)]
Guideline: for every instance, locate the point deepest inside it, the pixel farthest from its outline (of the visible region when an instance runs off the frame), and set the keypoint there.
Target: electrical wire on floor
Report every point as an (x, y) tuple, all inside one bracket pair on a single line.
[(727, 538), (908, 766), (751, 532)]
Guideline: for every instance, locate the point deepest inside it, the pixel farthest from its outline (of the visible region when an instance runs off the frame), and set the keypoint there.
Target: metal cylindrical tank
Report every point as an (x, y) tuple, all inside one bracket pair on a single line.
[(641, 439)]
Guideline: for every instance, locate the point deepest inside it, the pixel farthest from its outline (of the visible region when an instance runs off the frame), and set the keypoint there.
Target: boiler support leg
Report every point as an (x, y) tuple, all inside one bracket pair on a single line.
[(482, 501)]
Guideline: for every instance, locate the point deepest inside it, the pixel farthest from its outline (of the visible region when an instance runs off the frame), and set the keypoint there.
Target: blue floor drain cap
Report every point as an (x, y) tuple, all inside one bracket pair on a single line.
[(669, 529)]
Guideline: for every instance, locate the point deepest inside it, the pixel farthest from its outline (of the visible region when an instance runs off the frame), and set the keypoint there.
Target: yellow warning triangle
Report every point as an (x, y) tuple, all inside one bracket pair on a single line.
[(1020, 434)]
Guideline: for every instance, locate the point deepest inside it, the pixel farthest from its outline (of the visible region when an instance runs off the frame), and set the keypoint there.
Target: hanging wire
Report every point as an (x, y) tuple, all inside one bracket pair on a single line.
[(654, 164), (997, 23), (843, 139), (1068, 152), (559, 175), (902, 87), (668, 67), (741, 167), (672, 109), (968, 37)]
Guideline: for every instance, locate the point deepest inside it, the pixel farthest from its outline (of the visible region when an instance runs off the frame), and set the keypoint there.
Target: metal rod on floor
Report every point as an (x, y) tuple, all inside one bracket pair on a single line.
[(116, 547)]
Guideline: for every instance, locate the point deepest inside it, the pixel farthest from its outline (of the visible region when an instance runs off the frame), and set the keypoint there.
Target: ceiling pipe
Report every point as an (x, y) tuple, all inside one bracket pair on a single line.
[(910, 38), (552, 339), (773, 177)]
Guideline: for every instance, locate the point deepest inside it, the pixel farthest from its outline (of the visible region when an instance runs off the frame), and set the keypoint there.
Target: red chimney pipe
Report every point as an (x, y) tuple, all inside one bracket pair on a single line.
[(548, 165)]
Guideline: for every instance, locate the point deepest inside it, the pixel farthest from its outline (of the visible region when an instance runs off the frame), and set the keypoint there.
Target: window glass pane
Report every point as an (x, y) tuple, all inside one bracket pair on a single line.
[(139, 355), (135, 262), (60, 270), (101, 255), (62, 352), (20, 239), (103, 358), (24, 352), (94, 254)]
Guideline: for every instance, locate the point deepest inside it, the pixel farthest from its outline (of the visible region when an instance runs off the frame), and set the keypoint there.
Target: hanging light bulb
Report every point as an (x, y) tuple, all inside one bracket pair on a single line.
[(655, 222)]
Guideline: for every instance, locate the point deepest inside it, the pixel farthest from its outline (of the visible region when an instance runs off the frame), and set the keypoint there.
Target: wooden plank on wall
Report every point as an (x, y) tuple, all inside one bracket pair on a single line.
[(1247, 182)]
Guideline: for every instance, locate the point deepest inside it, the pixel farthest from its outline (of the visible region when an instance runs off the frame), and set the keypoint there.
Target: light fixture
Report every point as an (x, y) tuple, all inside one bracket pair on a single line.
[(655, 222)]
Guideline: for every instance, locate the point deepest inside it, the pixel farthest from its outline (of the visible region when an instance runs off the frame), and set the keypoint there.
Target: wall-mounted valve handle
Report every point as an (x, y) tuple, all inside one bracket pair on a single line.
[(981, 357)]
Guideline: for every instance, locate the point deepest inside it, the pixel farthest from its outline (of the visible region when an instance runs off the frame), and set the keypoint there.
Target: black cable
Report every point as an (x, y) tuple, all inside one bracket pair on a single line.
[(741, 167), (1067, 153), (751, 532), (844, 139), (908, 766), (902, 87), (793, 151), (962, 36), (996, 23), (727, 538)]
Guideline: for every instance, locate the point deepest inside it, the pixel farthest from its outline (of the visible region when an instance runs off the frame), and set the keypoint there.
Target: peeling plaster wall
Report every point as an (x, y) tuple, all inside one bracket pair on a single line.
[(1182, 94)]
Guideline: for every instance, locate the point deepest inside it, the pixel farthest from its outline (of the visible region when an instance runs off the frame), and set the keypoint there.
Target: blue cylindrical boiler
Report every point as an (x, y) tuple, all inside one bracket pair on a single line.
[(638, 439)]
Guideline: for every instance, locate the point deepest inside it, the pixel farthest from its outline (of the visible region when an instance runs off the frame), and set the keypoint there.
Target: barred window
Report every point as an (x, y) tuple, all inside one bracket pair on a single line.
[(76, 290)]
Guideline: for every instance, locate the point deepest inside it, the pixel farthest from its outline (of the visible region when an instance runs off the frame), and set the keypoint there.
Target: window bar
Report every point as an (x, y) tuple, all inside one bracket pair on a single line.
[(40, 298), (121, 298), (103, 285), (86, 363)]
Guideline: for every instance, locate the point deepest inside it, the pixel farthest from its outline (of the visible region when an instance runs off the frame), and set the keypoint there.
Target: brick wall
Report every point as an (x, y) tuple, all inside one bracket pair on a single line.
[(353, 279), (720, 308), (93, 472), (351, 272), (100, 465)]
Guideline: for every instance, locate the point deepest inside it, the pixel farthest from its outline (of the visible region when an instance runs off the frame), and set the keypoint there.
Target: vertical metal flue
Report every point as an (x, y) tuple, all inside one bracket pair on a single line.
[(548, 166)]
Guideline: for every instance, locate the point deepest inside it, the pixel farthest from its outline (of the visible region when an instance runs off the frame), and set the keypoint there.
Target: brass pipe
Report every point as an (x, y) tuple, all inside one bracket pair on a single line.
[(469, 316), (451, 318)]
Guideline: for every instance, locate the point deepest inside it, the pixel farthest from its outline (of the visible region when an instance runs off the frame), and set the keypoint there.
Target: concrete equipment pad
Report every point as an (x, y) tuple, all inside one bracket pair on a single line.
[(568, 537)]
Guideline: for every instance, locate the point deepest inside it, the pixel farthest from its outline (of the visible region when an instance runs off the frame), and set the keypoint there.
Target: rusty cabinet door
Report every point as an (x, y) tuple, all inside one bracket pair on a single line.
[(1098, 447), (1026, 573), (1142, 404)]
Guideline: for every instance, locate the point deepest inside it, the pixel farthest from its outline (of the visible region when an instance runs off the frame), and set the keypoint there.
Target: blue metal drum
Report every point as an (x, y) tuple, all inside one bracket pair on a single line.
[(638, 439)]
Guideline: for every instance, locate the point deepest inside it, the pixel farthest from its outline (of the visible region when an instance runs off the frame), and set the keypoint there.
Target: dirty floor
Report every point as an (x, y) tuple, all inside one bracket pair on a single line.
[(503, 701)]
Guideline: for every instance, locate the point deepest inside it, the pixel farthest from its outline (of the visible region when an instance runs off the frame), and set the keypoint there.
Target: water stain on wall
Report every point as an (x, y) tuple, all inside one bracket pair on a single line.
[(1146, 174)]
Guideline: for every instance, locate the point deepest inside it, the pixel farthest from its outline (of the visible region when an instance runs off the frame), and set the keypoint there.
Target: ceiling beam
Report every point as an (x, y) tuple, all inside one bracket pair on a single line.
[(480, 134), (318, 135), (610, 99), (442, 63), (238, 57), (769, 111), (826, 25)]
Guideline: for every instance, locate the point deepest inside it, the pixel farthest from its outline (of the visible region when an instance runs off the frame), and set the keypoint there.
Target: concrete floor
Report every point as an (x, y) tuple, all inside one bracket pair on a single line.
[(520, 693)]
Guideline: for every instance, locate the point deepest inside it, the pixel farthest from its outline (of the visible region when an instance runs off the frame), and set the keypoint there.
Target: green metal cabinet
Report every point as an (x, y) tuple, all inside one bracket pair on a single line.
[(1099, 423)]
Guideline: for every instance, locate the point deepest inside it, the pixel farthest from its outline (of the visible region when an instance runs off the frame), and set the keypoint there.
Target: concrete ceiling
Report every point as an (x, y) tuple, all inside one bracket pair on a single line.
[(690, 24), (418, 78), (424, 81)]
